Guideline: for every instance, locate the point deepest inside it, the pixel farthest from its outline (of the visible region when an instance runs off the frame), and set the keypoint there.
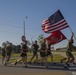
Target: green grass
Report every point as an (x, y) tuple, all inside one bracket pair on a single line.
[(18, 54), (56, 57), (74, 54)]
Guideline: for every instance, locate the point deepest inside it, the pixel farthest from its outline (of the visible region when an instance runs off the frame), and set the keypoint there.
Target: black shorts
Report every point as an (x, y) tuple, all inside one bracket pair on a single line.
[(43, 54), (8, 54), (49, 53), (69, 54), (34, 52), (23, 54), (3, 55)]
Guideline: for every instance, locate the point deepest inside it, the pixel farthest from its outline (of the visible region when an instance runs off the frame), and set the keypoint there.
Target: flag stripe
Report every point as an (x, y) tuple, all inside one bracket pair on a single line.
[(61, 25), (55, 30), (56, 24), (58, 28), (45, 22), (48, 23)]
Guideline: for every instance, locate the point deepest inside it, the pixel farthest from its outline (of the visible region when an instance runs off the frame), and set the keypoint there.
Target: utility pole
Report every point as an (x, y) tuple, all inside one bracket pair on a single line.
[(24, 25)]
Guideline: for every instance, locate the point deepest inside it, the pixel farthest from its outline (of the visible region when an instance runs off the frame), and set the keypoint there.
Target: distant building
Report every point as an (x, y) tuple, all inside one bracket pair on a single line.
[(62, 49)]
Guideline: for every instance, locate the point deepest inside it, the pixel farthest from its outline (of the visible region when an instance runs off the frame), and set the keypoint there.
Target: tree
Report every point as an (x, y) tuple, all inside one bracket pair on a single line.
[(0, 49), (4, 44), (40, 39), (28, 43)]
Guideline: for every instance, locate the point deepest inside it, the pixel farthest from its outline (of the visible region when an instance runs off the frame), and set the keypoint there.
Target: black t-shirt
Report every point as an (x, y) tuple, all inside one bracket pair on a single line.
[(35, 47), (24, 48), (3, 51), (43, 46), (9, 49), (49, 46)]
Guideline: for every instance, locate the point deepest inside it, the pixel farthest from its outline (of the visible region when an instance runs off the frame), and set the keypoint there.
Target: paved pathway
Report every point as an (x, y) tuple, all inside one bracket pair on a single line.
[(19, 69)]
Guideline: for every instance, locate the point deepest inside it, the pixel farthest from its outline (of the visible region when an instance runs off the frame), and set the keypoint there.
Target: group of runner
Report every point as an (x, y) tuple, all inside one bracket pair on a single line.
[(45, 51)]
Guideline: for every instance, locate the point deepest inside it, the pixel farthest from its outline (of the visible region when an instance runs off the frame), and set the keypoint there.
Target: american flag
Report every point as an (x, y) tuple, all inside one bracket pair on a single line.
[(54, 23)]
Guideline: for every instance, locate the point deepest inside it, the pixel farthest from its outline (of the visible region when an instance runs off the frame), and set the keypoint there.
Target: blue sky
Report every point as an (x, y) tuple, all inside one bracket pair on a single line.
[(13, 13)]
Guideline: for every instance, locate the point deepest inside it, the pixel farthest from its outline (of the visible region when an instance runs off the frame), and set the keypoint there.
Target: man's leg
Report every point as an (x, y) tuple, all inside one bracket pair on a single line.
[(36, 56), (31, 58), (51, 57), (72, 60), (63, 60)]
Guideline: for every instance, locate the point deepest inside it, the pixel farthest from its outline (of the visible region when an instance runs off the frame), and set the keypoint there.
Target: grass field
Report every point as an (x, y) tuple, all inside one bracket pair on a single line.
[(56, 57), (16, 56)]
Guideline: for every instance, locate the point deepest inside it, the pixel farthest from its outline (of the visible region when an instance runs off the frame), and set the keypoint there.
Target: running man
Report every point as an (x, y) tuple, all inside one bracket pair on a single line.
[(8, 53), (35, 50), (23, 54), (43, 53), (70, 57), (49, 53), (3, 54)]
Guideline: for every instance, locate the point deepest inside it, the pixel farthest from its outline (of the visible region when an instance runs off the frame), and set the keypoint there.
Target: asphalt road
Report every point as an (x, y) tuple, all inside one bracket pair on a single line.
[(19, 69)]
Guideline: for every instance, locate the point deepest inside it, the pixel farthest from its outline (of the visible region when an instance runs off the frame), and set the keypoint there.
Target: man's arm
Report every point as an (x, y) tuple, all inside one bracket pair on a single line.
[(72, 35)]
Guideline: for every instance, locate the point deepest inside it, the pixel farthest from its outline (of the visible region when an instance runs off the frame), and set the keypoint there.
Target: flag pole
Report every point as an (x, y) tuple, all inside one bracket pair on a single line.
[(72, 32), (53, 53)]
